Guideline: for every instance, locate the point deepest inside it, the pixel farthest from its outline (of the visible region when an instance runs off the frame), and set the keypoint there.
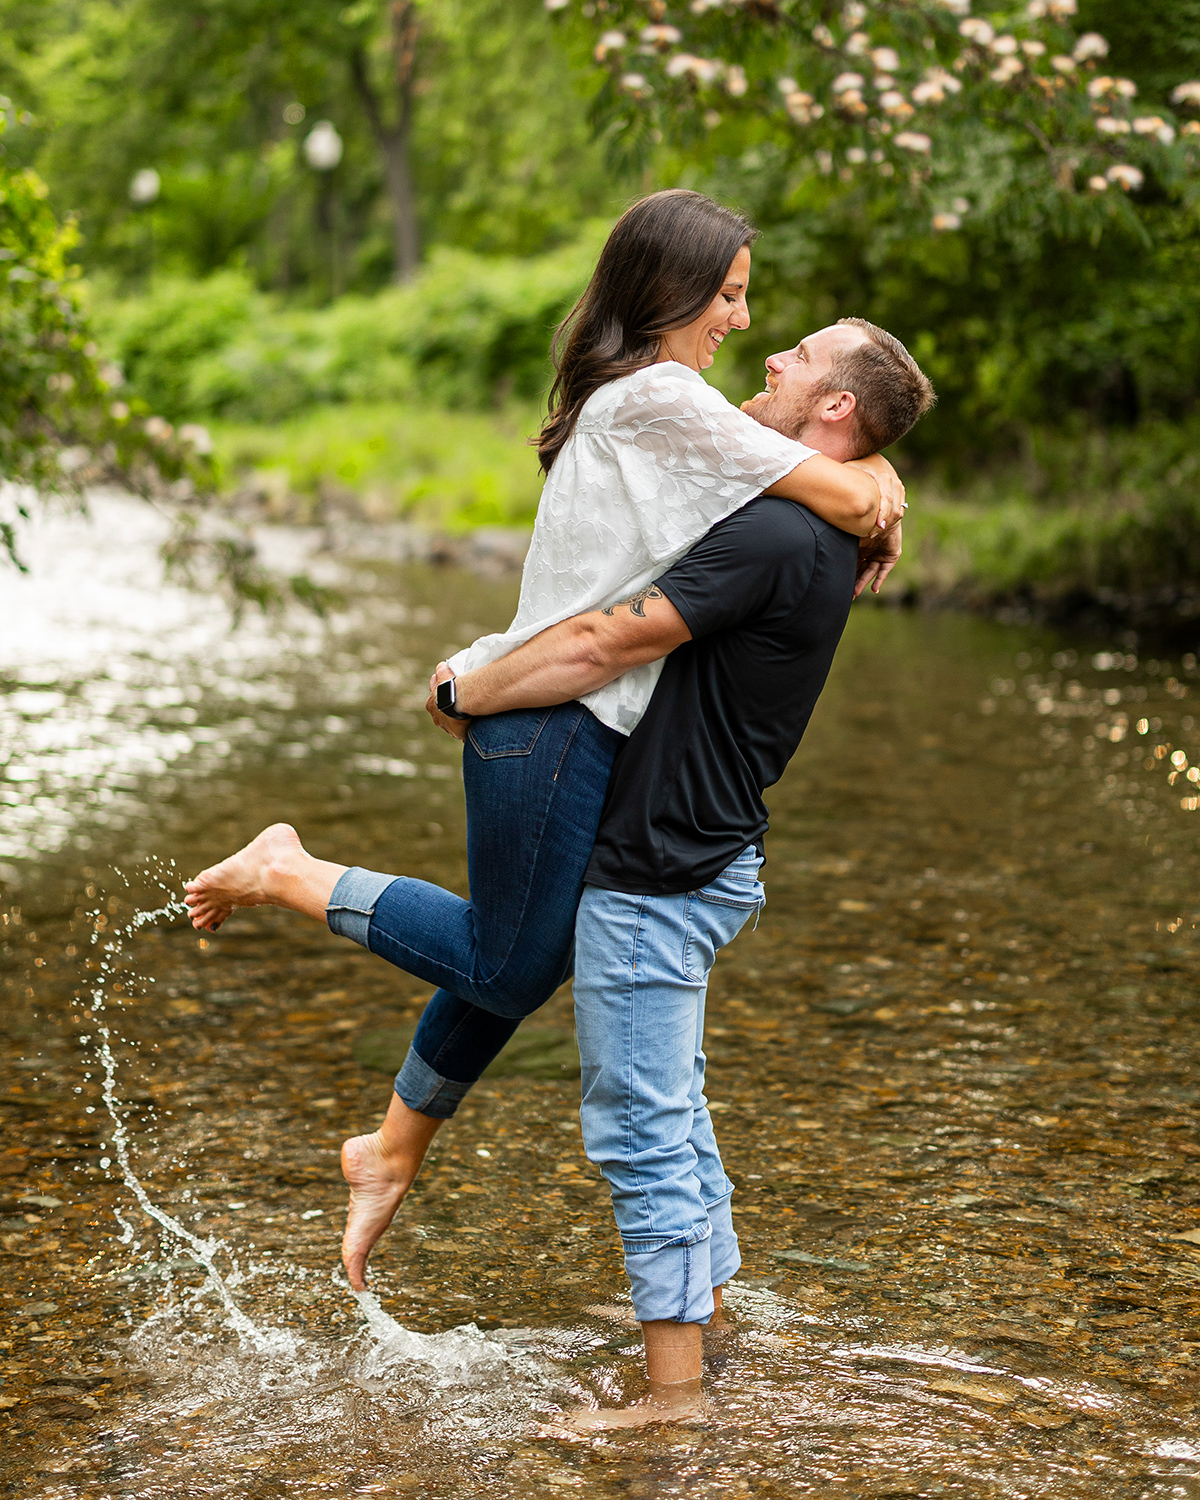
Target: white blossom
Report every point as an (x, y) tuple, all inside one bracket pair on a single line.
[(1110, 125), (661, 37), (698, 8), (801, 108), (960, 205), (895, 104), (556, 4), (857, 43), (855, 13), (1187, 93), (735, 80), (611, 41), (1033, 48), (702, 69), (957, 8), (198, 437), (822, 35), (1125, 87), (856, 155), (1063, 64), (1007, 70), (1148, 124), (1004, 46), (913, 140), (712, 118), (1060, 8), (1126, 176), (1192, 127), (886, 59), (976, 30), (787, 85), (1090, 44), (158, 429), (634, 83), (934, 87), (883, 81), (1098, 87), (1036, 9), (844, 82), (946, 221), (1098, 184)]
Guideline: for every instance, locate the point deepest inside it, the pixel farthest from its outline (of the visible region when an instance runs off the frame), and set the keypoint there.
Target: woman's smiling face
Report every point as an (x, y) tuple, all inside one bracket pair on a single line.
[(696, 344)]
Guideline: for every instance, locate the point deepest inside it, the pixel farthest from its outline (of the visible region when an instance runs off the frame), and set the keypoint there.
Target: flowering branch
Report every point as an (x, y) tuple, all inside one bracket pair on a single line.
[(899, 90)]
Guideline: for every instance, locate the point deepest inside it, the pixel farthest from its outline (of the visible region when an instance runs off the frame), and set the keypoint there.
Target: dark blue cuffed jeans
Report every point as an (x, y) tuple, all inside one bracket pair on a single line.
[(535, 782)]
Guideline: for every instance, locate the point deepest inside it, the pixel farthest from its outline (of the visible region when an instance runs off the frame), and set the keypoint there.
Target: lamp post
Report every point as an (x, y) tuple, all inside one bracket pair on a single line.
[(144, 188), (323, 149)]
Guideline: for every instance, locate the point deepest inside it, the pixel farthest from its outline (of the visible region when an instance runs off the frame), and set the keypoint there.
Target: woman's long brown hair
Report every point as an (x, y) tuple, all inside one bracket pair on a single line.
[(664, 262)]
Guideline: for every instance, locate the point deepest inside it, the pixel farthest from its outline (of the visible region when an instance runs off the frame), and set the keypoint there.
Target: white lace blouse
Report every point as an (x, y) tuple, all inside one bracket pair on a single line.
[(655, 460)]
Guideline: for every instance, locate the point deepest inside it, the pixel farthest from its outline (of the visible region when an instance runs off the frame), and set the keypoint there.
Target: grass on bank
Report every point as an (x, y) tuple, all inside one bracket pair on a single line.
[(445, 470)]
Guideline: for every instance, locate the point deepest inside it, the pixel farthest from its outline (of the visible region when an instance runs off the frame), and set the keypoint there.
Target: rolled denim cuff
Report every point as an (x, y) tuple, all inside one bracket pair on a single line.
[(352, 903), (724, 1256), (672, 1283), (428, 1092)]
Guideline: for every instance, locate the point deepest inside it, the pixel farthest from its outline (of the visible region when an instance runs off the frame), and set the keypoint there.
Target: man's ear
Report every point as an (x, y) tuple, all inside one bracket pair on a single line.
[(838, 406)]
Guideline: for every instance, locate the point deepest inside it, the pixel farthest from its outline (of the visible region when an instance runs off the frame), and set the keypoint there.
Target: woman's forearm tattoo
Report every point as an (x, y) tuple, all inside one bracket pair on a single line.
[(636, 602)]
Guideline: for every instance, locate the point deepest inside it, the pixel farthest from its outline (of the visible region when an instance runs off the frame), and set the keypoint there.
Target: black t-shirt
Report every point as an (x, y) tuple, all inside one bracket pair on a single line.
[(766, 595)]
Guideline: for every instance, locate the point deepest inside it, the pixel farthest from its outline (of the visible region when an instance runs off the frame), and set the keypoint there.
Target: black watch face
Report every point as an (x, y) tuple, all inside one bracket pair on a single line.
[(445, 694)]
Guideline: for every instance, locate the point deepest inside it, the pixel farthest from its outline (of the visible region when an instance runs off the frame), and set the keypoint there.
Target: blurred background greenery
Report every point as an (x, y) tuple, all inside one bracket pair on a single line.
[(339, 237)]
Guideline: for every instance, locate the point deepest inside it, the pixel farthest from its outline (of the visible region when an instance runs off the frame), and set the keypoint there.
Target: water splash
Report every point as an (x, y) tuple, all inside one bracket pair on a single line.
[(269, 1341), (456, 1357)]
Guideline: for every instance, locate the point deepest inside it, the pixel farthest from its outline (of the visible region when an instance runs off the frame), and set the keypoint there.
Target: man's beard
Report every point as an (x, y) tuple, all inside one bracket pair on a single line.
[(790, 416)]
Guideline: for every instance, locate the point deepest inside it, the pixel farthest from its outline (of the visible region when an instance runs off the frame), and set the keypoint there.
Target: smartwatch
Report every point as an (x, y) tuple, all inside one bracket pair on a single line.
[(445, 700)]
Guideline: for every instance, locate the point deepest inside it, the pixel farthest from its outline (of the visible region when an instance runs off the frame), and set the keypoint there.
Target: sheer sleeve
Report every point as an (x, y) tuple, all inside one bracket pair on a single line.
[(694, 456)]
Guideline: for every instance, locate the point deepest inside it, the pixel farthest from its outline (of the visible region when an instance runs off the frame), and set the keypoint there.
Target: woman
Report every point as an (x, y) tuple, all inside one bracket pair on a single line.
[(642, 457)]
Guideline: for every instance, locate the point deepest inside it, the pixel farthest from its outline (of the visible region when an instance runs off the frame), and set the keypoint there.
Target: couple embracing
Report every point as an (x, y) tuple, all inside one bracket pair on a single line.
[(690, 574)]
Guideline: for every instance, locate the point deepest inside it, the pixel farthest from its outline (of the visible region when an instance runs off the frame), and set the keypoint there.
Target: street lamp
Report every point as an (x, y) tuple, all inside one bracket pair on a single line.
[(144, 186), (323, 147)]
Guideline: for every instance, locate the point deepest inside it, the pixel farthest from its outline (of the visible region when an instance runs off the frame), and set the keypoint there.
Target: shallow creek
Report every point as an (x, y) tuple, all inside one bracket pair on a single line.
[(953, 1069)]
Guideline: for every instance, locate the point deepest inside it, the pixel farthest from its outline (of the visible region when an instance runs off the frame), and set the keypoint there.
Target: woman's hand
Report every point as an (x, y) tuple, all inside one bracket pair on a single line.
[(892, 503)]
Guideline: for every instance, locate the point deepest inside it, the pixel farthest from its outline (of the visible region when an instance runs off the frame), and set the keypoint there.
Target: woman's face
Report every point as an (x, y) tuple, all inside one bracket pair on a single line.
[(696, 344)]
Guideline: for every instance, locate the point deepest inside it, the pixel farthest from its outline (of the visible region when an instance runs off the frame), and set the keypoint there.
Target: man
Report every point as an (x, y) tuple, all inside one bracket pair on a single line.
[(749, 621)]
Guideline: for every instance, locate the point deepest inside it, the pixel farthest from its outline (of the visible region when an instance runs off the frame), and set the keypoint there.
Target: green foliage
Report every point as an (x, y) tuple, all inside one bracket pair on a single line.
[(219, 97), (1106, 515), (470, 331), (448, 470), (58, 430)]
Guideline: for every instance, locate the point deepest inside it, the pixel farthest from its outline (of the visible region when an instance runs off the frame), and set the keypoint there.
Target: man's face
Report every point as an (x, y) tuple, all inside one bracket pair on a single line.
[(793, 400)]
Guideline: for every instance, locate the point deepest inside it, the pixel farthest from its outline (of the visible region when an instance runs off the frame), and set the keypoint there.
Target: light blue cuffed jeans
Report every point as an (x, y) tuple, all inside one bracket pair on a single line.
[(641, 975)]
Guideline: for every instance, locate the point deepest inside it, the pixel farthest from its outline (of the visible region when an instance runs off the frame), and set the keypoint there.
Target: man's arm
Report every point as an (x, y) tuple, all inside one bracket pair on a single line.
[(568, 660)]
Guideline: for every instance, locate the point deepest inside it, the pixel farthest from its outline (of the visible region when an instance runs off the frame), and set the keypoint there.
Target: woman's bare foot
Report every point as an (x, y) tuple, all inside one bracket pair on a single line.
[(273, 869), (380, 1169), (682, 1403)]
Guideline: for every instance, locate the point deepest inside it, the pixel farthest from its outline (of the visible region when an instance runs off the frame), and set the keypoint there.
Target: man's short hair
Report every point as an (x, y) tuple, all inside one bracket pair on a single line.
[(889, 387)]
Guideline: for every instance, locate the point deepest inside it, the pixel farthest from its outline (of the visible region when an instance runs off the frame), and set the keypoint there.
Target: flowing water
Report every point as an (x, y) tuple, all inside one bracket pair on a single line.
[(954, 1071)]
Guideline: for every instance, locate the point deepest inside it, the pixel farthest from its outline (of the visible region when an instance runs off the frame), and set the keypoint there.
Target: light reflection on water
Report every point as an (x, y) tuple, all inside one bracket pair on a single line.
[(980, 937)]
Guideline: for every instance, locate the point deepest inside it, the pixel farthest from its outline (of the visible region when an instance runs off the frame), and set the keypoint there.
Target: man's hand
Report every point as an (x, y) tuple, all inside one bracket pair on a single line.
[(877, 556), (892, 503), (456, 727)]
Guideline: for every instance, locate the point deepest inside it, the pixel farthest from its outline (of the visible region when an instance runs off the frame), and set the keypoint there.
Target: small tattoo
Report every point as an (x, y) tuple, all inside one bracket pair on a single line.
[(636, 602)]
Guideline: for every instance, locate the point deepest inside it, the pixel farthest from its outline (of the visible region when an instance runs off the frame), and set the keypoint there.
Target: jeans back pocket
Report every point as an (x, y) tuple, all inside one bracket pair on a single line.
[(514, 733)]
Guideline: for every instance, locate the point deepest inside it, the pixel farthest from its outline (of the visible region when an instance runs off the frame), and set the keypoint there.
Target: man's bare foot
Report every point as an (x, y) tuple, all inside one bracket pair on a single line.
[(380, 1169), (273, 869), (682, 1403)]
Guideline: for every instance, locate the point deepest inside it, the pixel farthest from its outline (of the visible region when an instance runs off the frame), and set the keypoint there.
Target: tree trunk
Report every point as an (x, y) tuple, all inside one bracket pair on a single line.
[(394, 140)]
